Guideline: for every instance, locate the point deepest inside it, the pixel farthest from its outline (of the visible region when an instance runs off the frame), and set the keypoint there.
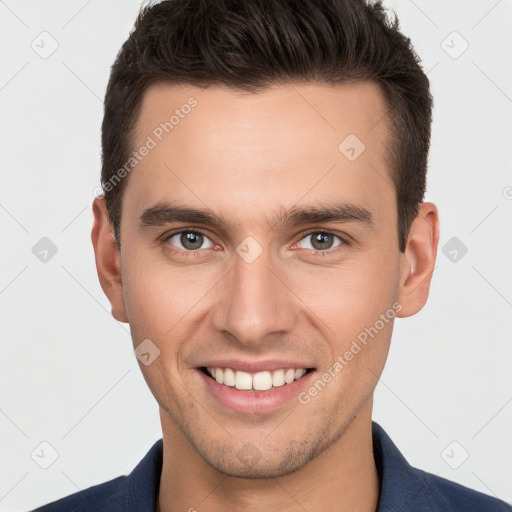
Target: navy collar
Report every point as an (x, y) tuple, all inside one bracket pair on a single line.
[(402, 487)]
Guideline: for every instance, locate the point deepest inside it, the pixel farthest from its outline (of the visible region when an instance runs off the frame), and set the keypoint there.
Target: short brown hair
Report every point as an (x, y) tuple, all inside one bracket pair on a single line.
[(253, 44)]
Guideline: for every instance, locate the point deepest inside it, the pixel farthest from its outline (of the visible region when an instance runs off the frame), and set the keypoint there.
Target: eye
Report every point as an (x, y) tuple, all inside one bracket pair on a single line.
[(321, 241), (189, 240)]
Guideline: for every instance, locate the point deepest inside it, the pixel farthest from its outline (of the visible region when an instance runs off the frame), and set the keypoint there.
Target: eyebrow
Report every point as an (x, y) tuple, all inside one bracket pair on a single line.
[(164, 212)]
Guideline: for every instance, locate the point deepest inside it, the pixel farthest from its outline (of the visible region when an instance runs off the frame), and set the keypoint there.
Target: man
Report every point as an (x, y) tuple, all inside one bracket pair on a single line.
[(261, 228)]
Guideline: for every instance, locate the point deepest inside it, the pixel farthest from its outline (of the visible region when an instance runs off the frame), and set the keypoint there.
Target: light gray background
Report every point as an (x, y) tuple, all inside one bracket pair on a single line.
[(68, 373)]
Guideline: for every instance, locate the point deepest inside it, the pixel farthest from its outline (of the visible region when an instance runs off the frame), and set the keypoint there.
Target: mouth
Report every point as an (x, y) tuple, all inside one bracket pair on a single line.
[(254, 387), (258, 381)]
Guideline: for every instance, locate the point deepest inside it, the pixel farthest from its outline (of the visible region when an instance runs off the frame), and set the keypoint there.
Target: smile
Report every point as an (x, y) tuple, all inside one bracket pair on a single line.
[(259, 381)]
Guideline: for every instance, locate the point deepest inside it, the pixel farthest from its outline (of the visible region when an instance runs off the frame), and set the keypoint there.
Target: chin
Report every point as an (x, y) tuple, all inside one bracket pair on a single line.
[(263, 462)]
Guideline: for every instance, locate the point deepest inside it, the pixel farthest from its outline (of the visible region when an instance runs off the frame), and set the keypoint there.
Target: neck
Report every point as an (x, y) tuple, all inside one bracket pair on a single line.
[(342, 478)]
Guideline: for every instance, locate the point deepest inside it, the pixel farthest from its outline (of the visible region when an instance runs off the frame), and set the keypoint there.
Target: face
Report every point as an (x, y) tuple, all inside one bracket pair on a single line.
[(259, 237)]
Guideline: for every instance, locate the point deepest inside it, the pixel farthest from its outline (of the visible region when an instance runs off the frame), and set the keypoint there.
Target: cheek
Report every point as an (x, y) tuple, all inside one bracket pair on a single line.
[(158, 305), (358, 312), (355, 306), (158, 298), (349, 298)]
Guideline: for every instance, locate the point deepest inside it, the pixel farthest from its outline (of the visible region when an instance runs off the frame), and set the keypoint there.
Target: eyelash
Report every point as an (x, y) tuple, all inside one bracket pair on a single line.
[(314, 252)]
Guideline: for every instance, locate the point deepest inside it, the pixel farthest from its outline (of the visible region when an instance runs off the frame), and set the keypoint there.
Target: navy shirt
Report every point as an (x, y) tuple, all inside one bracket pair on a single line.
[(402, 487)]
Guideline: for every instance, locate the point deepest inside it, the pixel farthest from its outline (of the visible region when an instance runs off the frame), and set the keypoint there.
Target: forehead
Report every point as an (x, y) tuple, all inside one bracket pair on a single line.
[(268, 150)]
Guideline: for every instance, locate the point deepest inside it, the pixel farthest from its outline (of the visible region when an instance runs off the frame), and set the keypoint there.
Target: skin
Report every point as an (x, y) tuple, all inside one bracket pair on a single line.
[(248, 157)]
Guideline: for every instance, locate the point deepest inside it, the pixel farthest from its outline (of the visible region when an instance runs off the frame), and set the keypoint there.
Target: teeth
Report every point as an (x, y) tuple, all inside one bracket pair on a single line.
[(243, 380), (289, 376), (229, 377), (260, 381), (278, 378), (299, 373)]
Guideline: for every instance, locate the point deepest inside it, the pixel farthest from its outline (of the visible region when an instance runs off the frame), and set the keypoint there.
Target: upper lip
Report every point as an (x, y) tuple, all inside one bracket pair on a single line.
[(255, 366)]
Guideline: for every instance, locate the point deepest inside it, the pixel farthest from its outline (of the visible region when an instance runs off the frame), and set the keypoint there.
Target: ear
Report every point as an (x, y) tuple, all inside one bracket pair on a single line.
[(418, 260), (108, 259)]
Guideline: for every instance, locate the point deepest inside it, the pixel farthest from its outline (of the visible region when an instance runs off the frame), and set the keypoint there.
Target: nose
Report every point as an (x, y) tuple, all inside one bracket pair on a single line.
[(255, 302)]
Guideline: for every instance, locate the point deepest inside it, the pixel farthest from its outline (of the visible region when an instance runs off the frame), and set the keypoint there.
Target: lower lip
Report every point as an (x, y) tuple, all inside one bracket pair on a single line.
[(255, 401)]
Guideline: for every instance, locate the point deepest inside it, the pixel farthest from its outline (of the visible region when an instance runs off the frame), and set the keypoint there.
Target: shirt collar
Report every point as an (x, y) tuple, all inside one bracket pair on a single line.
[(402, 487)]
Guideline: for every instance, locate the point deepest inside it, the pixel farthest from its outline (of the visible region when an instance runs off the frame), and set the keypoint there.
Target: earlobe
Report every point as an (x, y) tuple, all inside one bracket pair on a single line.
[(108, 259), (419, 260)]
